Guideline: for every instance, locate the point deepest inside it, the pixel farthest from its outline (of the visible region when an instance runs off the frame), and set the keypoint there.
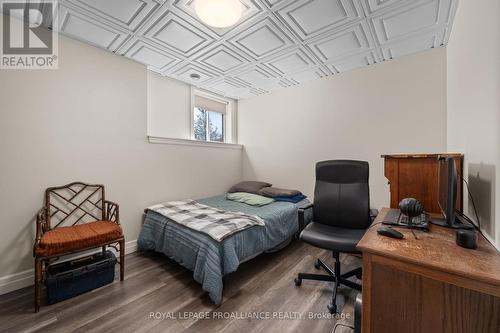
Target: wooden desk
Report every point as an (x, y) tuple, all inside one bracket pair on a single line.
[(428, 284)]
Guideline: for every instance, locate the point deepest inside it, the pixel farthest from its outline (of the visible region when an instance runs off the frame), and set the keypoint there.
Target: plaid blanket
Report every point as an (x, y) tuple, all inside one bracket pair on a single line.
[(216, 223)]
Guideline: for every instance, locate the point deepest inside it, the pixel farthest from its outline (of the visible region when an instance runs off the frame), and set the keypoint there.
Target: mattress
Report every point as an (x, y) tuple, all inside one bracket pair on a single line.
[(211, 260)]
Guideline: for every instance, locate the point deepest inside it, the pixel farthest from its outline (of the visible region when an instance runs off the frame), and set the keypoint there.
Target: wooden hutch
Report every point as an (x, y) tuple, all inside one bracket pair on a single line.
[(416, 176)]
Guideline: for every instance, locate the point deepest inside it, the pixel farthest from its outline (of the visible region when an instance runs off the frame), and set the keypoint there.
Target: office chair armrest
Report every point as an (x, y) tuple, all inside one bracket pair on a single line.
[(305, 216), (373, 213)]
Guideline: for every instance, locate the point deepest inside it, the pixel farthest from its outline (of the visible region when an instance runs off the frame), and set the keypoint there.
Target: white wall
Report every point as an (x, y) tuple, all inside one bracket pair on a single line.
[(169, 107), (169, 110), (394, 107), (473, 60), (87, 121)]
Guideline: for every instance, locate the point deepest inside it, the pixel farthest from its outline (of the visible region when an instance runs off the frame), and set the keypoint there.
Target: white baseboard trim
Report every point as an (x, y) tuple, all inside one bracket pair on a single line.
[(131, 246), (16, 281), (24, 279)]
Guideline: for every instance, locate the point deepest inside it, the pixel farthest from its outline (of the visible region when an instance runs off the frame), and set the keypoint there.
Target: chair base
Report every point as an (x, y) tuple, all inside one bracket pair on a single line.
[(332, 276)]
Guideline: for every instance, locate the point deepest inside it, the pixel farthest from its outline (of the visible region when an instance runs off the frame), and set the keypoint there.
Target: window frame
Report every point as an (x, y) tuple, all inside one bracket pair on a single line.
[(216, 98)]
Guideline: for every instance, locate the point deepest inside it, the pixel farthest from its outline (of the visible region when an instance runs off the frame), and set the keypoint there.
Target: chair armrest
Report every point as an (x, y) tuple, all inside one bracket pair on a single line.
[(112, 210), (373, 213), (304, 218), (41, 226)]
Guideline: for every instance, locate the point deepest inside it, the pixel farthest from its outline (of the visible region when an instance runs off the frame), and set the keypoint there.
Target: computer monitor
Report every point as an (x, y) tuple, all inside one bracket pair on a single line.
[(447, 188), (447, 194)]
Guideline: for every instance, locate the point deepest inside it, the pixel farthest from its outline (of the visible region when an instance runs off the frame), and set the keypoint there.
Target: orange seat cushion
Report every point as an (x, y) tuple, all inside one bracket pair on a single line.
[(67, 239)]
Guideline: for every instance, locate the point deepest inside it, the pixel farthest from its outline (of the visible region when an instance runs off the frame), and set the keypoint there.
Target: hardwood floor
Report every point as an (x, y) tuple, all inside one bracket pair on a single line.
[(156, 289)]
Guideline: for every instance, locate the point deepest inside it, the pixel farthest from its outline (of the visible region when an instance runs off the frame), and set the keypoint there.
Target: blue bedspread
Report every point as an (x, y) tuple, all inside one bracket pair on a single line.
[(211, 260)]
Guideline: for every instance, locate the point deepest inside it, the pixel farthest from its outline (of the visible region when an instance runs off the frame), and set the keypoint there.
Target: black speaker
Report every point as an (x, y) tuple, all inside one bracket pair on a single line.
[(467, 239)]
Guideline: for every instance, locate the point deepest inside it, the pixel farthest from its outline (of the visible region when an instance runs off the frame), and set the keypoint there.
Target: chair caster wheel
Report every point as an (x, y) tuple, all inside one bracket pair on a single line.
[(298, 282), (317, 265), (332, 308)]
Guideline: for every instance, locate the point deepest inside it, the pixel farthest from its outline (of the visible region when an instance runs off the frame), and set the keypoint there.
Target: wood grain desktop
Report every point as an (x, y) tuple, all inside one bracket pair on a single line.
[(429, 284)]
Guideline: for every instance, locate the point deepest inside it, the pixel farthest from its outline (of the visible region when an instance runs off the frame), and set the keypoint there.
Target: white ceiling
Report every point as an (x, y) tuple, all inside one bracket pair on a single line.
[(278, 43)]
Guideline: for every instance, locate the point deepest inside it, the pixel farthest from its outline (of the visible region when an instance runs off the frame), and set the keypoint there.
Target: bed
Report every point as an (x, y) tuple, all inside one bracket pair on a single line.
[(211, 260)]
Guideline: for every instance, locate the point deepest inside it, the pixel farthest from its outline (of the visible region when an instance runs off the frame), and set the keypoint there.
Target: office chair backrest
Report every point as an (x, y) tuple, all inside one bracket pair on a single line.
[(342, 194)]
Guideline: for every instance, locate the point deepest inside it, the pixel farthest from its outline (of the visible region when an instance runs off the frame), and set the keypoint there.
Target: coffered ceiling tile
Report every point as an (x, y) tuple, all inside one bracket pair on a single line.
[(258, 91), (353, 62), (226, 83), (184, 71), (285, 83), (149, 55), (277, 43), (256, 75), (352, 40), (416, 44), (86, 29), (250, 92), (376, 5), (262, 39), (152, 69), (250, 9), (228, 87), (259, 77), (309, 18), (449, 21), (407, 21), (222, 59), (171, 31), (128, 14), (293, 61), (307, 75), (274, 4)]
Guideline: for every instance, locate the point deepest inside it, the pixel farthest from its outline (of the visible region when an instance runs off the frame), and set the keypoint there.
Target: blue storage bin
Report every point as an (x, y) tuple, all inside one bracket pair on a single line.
[(77, 276)]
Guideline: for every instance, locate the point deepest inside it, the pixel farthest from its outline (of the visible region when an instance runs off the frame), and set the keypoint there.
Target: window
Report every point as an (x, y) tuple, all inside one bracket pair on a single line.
[(209, 119), (187, 115)]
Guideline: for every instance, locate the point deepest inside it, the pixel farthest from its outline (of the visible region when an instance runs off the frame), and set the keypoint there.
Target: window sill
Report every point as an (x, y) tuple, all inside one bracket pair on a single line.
[(186, 142)]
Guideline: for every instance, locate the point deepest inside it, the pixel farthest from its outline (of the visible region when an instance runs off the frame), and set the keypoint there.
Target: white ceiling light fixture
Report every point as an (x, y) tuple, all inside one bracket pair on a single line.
[(219, 13)]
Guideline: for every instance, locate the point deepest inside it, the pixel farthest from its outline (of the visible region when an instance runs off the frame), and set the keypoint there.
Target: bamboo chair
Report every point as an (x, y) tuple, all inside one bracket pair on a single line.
[(75, 217)]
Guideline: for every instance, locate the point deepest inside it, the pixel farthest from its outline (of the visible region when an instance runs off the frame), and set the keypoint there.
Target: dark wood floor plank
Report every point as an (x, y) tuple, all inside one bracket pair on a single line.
[(155, 283), (287, 300), (135, 315), (86, 308)]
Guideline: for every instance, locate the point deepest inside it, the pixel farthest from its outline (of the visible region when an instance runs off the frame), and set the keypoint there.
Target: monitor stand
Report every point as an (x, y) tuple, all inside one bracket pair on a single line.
[(459, 223)]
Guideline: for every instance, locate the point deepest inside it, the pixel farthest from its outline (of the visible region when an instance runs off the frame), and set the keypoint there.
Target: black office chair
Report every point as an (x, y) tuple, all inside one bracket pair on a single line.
[(340, 216)]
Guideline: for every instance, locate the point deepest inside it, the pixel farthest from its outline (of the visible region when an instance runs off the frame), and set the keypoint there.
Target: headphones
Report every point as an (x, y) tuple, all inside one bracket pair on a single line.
[(411, 207)]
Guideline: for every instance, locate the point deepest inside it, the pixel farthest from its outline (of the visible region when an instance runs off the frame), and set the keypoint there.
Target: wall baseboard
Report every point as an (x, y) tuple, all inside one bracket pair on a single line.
[(16, 281), (24, 279)]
